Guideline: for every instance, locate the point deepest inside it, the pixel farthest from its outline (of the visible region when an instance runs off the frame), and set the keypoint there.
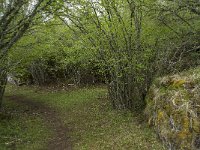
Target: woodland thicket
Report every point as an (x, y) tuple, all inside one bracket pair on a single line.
[(122, 43)]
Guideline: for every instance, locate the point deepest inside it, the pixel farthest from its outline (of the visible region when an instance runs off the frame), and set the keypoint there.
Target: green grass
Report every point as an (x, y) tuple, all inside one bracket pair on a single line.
[(94, 125), (20, 130)]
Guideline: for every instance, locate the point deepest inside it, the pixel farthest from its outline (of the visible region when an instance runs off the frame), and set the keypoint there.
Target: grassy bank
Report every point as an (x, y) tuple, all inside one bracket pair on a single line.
[(92, 122)]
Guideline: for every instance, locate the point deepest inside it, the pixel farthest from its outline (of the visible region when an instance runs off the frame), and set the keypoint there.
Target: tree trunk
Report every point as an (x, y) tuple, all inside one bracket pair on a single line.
[(3, 82)]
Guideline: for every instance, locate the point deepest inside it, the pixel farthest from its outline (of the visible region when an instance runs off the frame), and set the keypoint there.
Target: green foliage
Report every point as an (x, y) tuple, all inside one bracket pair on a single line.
[(122, 42), (55, 51)]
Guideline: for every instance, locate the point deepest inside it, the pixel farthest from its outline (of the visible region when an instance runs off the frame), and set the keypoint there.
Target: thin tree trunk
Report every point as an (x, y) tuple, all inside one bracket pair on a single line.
[(3, 82)]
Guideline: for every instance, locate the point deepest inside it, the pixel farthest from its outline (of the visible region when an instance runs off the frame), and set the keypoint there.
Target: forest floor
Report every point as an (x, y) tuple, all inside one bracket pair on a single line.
[(60, 138), (79, 119)]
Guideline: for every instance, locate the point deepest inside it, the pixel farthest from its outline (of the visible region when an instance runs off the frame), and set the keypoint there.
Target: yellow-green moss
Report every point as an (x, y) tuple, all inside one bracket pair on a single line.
[(173, 107), (160, 115)]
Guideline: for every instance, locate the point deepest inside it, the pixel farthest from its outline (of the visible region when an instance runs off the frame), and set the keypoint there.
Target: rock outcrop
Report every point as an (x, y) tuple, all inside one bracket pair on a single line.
[(173, 108)]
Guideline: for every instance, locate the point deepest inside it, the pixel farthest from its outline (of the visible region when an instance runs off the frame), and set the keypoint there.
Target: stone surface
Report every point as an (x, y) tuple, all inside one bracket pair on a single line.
[(173, 109)]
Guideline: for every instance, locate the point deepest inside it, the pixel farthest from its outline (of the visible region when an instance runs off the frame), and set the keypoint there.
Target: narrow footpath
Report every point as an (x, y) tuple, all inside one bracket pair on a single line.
[(60, 139)]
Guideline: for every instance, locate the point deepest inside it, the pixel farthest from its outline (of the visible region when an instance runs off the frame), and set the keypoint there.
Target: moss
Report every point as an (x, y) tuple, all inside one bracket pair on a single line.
[(160, 115), (183, 134), (178, 83), (196, 125), (174, 107), (186, 123)]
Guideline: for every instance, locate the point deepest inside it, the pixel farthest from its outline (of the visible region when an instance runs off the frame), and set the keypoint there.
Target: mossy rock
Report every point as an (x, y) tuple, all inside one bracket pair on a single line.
[(173, 108)]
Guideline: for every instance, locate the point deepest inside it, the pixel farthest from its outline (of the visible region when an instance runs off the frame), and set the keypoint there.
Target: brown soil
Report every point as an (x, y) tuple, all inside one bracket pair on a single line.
[(60, 139)]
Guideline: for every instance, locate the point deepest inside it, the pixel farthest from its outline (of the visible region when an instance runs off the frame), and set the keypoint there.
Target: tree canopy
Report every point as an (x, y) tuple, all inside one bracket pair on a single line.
[(122, 43)]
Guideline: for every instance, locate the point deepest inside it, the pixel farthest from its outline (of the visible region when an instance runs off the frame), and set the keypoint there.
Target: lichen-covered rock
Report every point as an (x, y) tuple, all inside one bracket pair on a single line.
[(173, 108)]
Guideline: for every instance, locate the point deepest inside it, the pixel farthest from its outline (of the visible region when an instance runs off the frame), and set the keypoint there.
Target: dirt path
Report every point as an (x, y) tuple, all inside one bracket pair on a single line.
[(60, 140)]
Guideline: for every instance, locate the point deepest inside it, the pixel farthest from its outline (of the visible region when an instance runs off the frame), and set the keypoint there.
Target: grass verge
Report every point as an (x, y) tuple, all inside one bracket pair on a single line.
[(94, 125)]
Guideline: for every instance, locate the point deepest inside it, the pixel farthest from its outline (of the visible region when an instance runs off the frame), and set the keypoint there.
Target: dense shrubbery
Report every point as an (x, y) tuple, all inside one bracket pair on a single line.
[(123, 43), (47, 57)]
